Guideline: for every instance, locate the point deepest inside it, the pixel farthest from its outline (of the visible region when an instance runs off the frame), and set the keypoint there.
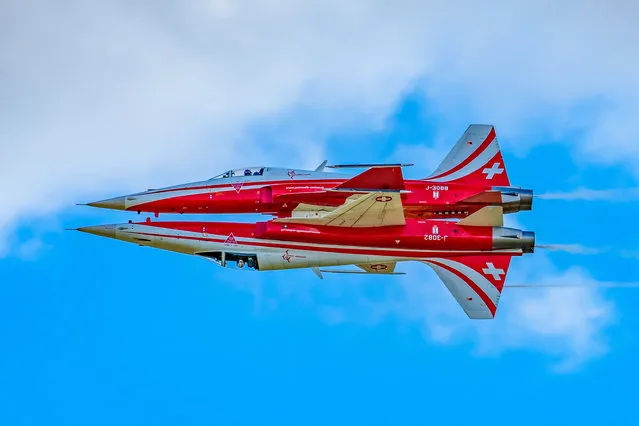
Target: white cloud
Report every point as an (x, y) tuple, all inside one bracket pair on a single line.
[(104, 97), (567, 324)]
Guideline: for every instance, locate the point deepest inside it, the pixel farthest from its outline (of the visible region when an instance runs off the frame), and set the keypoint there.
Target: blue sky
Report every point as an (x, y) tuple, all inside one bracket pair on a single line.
[(105, 99), (97, 331)]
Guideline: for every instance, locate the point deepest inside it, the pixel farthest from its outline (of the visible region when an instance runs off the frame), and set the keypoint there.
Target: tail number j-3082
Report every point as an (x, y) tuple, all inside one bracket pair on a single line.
[(435, 237)]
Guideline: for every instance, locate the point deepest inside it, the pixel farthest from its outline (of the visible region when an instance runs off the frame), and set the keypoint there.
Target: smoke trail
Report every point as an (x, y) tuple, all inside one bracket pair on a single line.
[(586, 194), (572, 248), (601, 284)]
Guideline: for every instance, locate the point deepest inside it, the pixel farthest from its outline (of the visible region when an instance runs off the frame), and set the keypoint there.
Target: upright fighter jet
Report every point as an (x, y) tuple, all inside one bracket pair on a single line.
[(370, 230), (472, 176)]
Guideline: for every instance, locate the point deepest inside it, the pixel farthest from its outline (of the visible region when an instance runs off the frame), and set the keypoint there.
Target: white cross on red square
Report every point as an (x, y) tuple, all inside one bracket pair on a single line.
[(496, 169), (494, 272)]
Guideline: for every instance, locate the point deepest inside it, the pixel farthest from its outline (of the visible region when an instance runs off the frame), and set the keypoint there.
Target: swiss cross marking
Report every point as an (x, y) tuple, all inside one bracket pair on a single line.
[(496, 169), (435, 195), (491, 270)]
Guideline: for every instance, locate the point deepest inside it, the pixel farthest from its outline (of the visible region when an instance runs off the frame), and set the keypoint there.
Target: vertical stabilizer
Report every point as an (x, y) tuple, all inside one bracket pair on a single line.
[(475, 159)]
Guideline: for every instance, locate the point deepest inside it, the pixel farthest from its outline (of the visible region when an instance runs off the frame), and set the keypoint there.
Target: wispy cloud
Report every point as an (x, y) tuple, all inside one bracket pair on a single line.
[(573, 248), (619, 195), (566, 324)]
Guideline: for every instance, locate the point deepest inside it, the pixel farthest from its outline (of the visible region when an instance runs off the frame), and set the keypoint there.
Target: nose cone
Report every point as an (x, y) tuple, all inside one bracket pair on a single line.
[(100, 230), (116, 203)]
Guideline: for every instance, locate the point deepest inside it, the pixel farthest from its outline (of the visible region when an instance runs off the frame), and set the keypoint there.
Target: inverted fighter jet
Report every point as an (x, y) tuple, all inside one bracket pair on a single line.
[(471, 177), (369, 230)]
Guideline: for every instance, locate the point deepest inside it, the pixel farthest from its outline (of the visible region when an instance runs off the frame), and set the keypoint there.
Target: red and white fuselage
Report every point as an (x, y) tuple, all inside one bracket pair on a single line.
[(471, 177), (290, 246)]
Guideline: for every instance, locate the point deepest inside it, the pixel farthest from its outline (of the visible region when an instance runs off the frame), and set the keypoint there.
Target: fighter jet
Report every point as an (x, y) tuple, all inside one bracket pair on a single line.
[(472, 176), (368, 231)]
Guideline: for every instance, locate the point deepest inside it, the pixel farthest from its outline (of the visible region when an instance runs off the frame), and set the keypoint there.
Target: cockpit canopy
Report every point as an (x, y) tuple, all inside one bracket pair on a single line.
[(248, 171), (273, 173)]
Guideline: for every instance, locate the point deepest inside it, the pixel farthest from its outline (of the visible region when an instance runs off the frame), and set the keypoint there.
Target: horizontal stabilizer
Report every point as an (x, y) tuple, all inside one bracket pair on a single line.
[(488, 216), (387, 178), (476, 282)]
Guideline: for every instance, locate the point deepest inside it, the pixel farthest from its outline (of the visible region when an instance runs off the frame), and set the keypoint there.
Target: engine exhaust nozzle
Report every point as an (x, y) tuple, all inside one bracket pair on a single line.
[(515, 199), (510, 238)]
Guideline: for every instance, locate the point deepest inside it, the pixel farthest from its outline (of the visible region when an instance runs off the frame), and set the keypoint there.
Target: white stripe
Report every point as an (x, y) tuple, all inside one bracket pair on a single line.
[(481, 281), (148, 198), (479, 162), (468, 299)]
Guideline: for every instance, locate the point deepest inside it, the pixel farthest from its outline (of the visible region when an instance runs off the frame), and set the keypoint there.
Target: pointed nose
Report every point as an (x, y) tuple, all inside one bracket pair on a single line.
[(100, 230), (116, 203)]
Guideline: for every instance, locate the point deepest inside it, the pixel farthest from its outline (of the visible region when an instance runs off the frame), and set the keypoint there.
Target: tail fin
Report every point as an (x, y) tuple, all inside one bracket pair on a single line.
[(475, 160), (476, 282)]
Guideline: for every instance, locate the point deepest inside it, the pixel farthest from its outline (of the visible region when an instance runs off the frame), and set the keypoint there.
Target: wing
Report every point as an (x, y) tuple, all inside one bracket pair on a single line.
[(476, 282), (372, 209), (385, 268)]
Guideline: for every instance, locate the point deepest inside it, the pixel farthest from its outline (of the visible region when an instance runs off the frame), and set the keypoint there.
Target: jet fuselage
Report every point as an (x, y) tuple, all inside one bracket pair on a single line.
[(274, 245), (421, 199)]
